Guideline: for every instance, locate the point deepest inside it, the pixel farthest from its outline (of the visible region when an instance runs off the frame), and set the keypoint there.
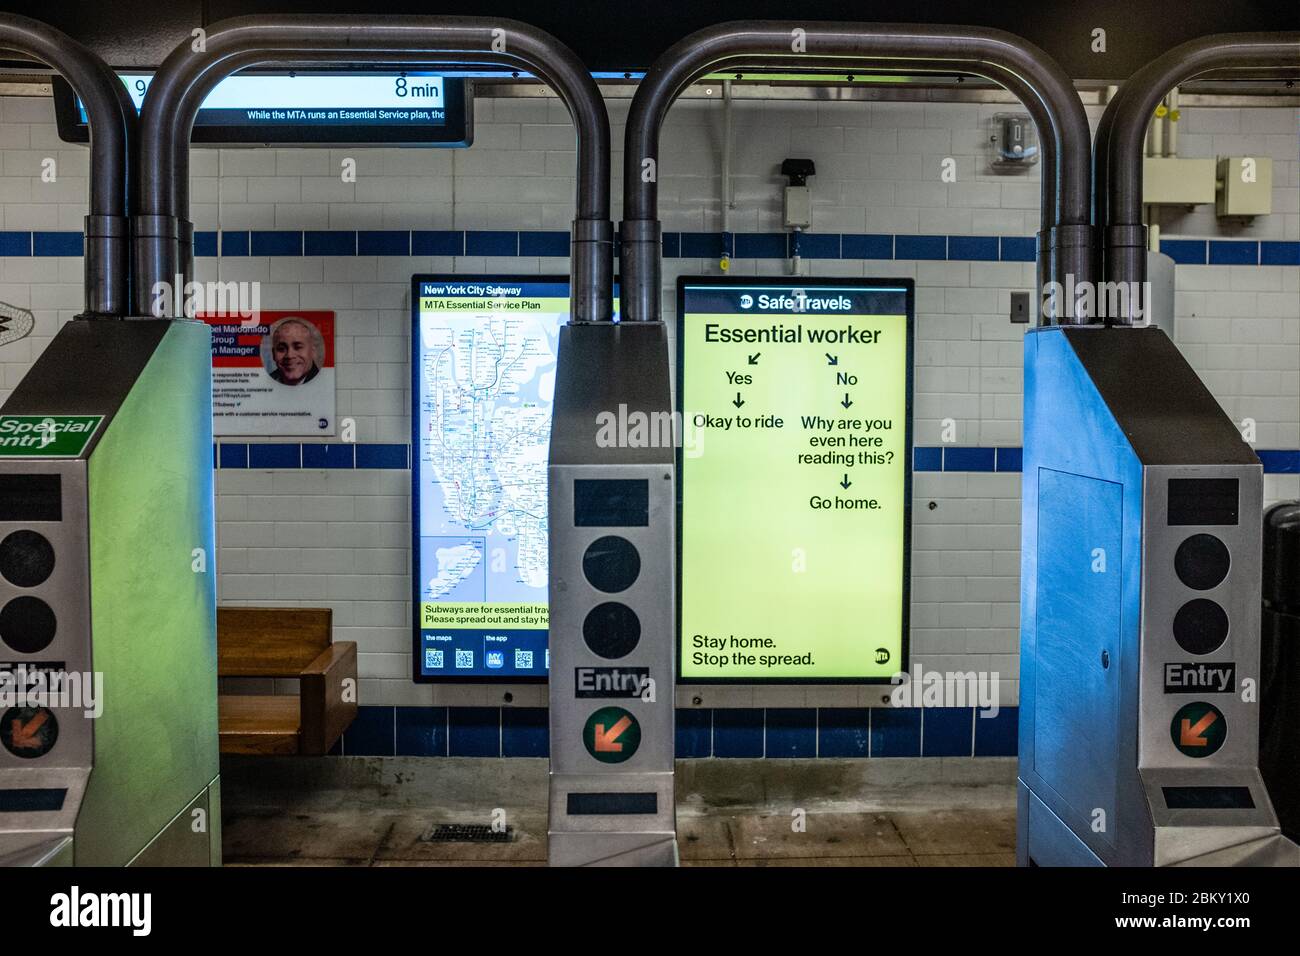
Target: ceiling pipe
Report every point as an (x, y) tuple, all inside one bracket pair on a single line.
[(1064, 241), (112, 121), (1121, 134), (163, 227)]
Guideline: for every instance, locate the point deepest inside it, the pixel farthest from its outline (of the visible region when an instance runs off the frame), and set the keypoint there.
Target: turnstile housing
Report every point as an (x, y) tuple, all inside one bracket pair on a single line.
[(130, 521), (1140, 592), (611, 497)]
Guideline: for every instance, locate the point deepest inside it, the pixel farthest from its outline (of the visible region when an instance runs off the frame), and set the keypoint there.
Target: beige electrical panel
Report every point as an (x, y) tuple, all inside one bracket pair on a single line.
[(1178, 182), (1245, 186)]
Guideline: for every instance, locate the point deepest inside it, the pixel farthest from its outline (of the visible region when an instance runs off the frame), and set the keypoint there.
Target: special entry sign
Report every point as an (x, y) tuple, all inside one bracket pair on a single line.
[(794, 479)]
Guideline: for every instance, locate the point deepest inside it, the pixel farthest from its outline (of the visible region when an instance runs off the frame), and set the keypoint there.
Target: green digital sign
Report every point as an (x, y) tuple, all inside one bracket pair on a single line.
[(794, 479), (46, 436)]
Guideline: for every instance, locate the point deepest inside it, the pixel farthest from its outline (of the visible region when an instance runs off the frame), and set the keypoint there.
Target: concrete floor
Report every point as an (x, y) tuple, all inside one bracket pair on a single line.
[(375, 811)]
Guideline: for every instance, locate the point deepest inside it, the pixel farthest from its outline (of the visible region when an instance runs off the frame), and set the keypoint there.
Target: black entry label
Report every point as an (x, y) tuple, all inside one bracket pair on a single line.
[(1200, 678), (610, 681)]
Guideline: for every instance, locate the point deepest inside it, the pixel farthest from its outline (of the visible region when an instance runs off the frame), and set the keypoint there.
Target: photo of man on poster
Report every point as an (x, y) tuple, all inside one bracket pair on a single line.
[(292, 351)]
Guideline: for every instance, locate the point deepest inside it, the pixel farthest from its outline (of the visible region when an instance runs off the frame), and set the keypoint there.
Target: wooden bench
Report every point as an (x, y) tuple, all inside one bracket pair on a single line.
[(286, 642)]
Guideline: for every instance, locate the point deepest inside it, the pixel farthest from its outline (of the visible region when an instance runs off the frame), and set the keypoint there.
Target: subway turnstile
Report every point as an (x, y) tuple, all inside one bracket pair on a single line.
[(1140, 647), (107, 570), (612, 617)]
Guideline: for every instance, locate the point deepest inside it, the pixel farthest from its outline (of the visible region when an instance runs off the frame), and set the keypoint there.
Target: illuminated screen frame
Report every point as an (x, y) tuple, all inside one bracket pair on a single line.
[(456, 131), (807, 283), (476, 676), (416, 645)]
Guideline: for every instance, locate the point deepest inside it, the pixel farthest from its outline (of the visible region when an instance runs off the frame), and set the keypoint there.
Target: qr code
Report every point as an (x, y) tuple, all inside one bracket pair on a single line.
[(523, 660), (464, 658), (432, 658)]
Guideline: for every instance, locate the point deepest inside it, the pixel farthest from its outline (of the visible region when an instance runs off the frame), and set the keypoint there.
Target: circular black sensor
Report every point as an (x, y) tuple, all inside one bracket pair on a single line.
[(26, 558), (611, 630), (27, 624), (611, 564), (1202, 562), (1200, 626)]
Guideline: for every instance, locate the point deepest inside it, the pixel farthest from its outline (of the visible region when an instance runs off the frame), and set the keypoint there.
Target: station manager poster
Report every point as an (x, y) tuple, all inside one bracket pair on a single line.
[(273, 373)]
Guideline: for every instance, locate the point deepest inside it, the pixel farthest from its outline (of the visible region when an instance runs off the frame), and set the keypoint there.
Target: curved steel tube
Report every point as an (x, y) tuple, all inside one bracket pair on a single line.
[(112, 122), (1122, 132), (186, 75), (1065, 220)]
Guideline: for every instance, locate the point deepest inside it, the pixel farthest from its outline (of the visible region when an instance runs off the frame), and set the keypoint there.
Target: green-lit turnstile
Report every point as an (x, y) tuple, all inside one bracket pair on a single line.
[(107, 577)]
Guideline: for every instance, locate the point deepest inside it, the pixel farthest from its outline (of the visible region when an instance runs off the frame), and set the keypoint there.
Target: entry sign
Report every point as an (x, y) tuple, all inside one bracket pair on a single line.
[(794, 479), (46, 436), (611, 735)]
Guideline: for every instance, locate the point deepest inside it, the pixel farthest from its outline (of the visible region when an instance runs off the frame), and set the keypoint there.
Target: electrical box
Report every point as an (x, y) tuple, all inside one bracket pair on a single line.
[(1177, 182), (1014, 140), (1245, 186), (798, 207)]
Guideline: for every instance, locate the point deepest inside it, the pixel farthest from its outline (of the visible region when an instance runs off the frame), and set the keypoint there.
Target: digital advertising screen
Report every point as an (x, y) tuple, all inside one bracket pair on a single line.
[(794, 479), (307, 107), (483, 360)]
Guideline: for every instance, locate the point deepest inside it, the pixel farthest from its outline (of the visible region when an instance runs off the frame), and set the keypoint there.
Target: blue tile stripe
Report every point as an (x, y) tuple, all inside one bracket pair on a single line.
[(774, 732), (677, 245), (397, 457)]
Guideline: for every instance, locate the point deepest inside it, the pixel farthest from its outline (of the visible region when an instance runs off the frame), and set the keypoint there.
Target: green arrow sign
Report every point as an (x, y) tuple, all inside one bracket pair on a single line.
[(1198, 729), (611, 735), (46, 436)]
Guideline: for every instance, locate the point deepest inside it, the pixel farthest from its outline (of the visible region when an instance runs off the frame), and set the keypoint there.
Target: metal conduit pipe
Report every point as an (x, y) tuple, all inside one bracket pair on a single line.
[(1121, 134), (1008, 80), (112, 121), (187, 74), (1065, 219)]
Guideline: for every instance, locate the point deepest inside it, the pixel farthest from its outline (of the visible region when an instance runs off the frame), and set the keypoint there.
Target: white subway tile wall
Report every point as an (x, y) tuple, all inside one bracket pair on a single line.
[(340, 538)]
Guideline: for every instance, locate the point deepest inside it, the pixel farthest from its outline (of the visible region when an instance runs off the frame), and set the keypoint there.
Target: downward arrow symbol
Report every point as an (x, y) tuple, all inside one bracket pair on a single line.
[(607, 741), (24, 736), (1191, 734), (845, 483), (847, 401), (739, 401)]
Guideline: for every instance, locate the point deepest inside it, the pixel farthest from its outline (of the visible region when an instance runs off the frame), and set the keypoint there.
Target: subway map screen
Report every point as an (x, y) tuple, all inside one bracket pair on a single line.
[(483, 359)]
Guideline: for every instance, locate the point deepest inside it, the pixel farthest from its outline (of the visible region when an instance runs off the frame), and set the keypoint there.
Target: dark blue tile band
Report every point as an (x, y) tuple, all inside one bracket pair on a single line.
[(234, 244), (491, 243), (205, 244), (920, 247), (271, 243), (554, 244), (56, 244), (444, 242), (791, 732), (696, 245), (15, 243), (1233, 252), (974, 248), (1019, 249), (1189, 252), (330, 243), (328, 455), (383, 243), (866, 246)]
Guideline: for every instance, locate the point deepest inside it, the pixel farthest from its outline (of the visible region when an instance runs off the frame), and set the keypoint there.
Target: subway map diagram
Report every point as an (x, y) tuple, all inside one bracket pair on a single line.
[(486, 376)]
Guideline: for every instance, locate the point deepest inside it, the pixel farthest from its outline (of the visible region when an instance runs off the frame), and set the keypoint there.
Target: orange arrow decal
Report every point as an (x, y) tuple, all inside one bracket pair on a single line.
[(25, 737), (608, 742), (1191, 733)]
